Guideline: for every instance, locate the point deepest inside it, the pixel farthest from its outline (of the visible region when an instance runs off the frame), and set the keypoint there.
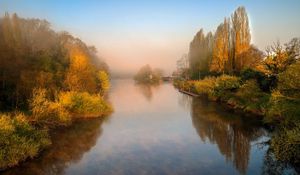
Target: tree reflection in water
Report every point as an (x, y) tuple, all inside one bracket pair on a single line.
[(147, 90), (69, 145), (231, 133)]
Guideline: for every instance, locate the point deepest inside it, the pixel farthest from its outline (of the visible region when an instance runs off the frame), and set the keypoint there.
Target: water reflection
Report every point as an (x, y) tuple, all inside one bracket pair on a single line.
[(275, 167), (185, 101), (147, 90), (157, 130), (231, 133), (69, 145)]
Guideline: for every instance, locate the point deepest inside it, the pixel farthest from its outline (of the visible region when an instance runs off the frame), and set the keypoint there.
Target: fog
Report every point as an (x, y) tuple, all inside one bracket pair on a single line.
[(130, 34)]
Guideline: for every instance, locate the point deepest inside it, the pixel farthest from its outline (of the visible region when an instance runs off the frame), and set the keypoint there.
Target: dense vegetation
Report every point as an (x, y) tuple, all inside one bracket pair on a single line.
[(147, 75), (51, 77), (231, 70)]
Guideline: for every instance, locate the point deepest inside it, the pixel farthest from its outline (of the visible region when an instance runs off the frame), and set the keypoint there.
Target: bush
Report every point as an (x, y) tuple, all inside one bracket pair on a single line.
[(205, 86), (265, 82), (283, 108), (19, 140), (46, 112), (224, 87), (184, 85), (103, 81), (289, 81), (250, 97), (83, 103), (227, 82), (285, 100)]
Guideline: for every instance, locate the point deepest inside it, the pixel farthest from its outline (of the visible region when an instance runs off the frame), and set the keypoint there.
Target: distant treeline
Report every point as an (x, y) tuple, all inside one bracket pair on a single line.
[(147, 75)]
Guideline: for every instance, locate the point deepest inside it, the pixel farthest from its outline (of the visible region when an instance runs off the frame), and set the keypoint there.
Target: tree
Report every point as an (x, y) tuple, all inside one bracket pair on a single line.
[(80, 75), (32, 55), (240, 36), (183, 66), (220, 56), (147, 75), (103, 81), (200, 52), (251, 58)]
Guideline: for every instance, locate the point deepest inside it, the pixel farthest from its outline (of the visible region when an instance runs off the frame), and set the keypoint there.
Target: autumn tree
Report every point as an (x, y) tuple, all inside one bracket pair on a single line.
[(221, 46), (241, 38), (32, 55), (103, 81), (80, 75)]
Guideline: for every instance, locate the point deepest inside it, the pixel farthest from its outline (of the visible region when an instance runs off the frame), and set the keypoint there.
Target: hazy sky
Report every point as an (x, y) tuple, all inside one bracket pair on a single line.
[(129, 34)]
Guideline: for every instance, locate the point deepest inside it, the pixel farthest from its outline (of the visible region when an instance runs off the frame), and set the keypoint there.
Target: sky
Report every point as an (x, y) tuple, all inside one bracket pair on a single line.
[(130, 34)]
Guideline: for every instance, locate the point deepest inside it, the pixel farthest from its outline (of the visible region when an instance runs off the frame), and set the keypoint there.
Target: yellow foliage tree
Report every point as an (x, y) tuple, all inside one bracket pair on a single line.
[(241, 37), (103, 81), (81, 74), (220, 56)]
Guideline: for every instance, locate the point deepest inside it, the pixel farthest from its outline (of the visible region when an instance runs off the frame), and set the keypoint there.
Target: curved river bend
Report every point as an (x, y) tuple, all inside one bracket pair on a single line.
[(156, 130)]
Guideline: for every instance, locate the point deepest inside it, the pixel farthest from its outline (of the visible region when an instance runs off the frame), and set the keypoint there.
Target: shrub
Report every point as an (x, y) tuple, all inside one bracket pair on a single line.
[(103, 81), (205, 86), (224, 86), (184, 85), (46, 112), (249, 73), (289, 81), (283, 108), (285, 100), (265, 82), (251, 97), (227, 82), (19, 140), (83, 103)]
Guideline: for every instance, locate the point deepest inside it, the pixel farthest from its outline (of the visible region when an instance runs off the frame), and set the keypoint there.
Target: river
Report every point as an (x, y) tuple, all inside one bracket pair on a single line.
[(157, 130)]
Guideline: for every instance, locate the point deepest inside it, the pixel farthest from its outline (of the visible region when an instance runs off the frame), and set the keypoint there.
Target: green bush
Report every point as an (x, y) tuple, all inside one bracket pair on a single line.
[(265, 82), (289, 81), (224, 86), (83, 103), (251, 98), (46, 112), (285, 100), (19, 140), (283, 108)]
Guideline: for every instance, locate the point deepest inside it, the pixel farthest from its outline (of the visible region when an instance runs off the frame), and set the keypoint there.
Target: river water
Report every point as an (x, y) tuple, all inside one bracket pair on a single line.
[(157, 130)]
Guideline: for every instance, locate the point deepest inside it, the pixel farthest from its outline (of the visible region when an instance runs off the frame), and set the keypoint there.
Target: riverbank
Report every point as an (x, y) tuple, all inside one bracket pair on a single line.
[(245, 95), (228, 90), (25, 136)]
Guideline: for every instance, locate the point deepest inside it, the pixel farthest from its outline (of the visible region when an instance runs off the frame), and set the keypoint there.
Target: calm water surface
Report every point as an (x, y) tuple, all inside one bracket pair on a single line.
[(156, 130)]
